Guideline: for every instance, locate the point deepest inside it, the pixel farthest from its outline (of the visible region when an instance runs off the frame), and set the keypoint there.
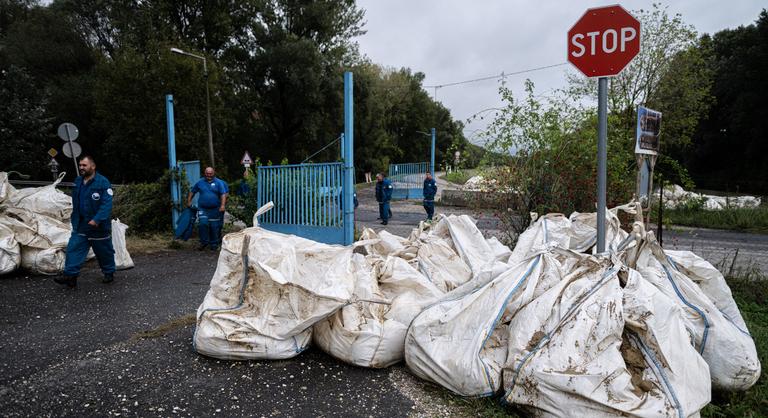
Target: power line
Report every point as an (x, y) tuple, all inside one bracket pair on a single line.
[(322, 149), (493, 77)]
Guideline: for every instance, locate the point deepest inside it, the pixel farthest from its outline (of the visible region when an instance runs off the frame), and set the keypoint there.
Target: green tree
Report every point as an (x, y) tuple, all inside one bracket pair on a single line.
[(25, 126), (730, 145)]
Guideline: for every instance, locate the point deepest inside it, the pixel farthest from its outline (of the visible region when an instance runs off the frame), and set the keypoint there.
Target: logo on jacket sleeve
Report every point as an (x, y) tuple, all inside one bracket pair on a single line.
[(110, 192), (95, 196)]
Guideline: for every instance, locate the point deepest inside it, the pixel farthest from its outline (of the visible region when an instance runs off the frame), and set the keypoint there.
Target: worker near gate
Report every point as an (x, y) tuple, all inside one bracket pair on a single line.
[(211, 206), (383, 196), (91, 224), (429, 191)]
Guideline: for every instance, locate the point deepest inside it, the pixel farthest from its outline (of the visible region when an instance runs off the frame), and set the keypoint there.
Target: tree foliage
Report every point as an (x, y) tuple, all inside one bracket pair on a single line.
[(275, 71), (730, 145)]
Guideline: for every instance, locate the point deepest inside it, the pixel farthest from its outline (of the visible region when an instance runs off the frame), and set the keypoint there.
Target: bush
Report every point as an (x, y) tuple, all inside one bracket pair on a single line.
[(146, 207), (458, 176), (243, 200)]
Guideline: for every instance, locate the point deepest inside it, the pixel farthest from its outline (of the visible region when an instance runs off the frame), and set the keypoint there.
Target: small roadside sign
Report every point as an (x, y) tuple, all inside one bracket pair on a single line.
[(648, 127), (53, 153), (246, 160), (68, 132)]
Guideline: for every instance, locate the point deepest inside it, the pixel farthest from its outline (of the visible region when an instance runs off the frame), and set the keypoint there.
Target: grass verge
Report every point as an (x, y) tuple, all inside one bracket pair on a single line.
[(739, 219), (751, 294), (458, 177)]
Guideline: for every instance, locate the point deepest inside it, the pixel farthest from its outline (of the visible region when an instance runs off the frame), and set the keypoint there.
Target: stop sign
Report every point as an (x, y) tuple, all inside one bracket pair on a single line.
[(603, 41)]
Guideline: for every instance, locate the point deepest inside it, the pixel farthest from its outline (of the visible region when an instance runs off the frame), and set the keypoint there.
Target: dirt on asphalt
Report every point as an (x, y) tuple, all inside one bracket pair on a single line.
[(125, 349)]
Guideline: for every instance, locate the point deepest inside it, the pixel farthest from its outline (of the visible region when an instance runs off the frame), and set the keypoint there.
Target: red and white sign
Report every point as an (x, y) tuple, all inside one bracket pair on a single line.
[(604, 41), (246, 160)]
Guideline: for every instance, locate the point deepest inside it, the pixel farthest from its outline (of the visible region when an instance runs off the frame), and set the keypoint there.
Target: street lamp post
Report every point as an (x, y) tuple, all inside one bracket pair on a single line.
[(432, 150), (207, 98)]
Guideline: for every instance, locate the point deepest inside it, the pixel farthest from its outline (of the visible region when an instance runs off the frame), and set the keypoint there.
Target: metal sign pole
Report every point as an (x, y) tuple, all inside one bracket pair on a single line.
[(432, 155), (175, 198), (349, 160), (602, 156)]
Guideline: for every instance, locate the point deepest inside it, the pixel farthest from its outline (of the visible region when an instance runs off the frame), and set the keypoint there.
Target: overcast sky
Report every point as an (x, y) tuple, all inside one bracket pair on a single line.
[(457, 40)]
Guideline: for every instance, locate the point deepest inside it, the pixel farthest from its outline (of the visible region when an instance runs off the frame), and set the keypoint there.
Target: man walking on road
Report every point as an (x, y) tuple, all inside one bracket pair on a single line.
[(212, 204), (383, 196), (91, 224), (429, 191)]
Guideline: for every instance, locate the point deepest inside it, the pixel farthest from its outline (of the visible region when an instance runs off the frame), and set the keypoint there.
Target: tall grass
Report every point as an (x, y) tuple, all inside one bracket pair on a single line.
[(739, 219), (750, 290)]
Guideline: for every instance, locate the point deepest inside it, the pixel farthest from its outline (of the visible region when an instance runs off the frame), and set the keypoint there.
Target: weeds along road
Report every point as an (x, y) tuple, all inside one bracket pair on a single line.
[(126, 349)]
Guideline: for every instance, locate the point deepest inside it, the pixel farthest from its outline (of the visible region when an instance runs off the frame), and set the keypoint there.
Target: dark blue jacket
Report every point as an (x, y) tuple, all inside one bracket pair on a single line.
[(92, 201), (430, 188), (383, 191)]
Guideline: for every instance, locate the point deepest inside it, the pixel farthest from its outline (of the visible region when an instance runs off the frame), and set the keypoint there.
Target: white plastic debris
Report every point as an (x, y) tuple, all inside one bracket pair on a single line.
[(123, 260)]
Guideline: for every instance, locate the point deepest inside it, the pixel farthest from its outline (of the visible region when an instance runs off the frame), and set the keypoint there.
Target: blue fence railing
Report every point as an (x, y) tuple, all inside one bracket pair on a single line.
[(307, 199), (408, 180)]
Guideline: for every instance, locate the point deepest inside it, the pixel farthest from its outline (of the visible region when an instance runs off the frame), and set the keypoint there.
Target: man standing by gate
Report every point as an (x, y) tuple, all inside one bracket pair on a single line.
[(383, 196), (91, 224), (212, 204), (429, 191)]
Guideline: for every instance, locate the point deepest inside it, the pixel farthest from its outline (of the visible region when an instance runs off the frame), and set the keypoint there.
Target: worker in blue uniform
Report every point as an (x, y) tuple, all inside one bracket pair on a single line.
[(211, 206), (383, 196), (429, 191), (91, 224)]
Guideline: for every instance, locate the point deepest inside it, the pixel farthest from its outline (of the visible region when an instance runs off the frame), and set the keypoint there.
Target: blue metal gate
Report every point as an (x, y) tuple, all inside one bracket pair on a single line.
[(191, 171), (408, 180), (307, 199)]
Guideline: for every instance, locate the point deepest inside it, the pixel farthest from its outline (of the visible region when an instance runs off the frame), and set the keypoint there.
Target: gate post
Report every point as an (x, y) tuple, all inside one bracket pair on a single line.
[(349, 161), (172, 160), (432, 155)]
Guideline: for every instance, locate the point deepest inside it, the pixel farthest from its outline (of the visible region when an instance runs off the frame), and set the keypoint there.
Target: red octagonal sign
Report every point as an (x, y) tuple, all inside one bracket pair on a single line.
[(604, 41)]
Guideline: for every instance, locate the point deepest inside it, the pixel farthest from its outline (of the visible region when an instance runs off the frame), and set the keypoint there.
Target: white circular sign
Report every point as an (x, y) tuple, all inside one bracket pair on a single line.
[(72, 149), (68, 131)]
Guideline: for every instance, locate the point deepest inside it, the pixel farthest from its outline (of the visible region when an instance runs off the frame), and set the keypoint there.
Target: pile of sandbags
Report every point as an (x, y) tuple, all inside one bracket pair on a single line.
[(35, 229), (675, 196), (552, 326)]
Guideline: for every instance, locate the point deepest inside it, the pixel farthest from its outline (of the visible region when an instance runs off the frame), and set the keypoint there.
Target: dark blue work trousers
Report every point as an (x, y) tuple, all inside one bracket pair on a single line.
[(384, 211), (77, 250), (429, 206), (209, 226)]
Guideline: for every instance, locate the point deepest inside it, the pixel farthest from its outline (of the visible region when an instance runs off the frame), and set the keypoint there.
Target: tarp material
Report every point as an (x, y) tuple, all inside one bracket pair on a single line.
[(267, 292), (6, 188), (186, 223), (10, 251), (46, 200), (372, 334), (721, 338)]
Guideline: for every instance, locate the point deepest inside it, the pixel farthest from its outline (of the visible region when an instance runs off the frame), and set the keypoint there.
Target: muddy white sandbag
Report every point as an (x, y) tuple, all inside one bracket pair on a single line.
[(6, 188), (722, 339), (10, 251), (48, 261), (588, 347), (46, 200), (371, 333), (267, 292)]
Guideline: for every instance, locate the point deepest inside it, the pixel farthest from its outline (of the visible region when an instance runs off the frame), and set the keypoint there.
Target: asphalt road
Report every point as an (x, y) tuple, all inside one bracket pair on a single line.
[(124, 349)]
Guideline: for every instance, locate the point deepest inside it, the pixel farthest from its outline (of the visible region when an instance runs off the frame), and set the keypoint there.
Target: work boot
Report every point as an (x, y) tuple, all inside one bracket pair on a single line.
[(108, 278), (69, 281), (201, 247)]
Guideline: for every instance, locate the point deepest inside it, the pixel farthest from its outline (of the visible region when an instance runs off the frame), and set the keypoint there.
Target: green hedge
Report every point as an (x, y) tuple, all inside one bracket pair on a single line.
[(145, 207)]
